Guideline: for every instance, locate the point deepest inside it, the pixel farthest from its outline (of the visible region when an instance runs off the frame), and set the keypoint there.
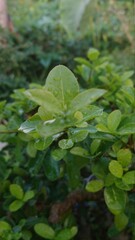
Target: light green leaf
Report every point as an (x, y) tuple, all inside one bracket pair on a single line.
[(16, 205), (121, 221), (113, 120), (93, 54), (65, 143), (46, 99), (62, 83), (124, 157), (115, 199), (127, 125), (116, 168), (4, 226), (94, 185), (44, 114), (66, 234), (79, 151), (129, 177), (16, 191), (122, 185), (127, 129), (90, 112), (44, 231), (95, 145), (28, 195), (79, 135), (102, 128), (85, 98)]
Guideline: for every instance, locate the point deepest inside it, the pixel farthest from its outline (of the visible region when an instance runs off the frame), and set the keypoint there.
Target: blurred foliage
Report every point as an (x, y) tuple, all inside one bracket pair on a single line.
[(40, 42)]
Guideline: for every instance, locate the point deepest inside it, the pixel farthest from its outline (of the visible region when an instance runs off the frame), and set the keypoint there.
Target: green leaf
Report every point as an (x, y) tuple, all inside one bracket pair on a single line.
[(90, 112), (16, 191), (4, 226), (115, 199), (93, 54), (95, 145), (58, 154), (127, 125), (79, 151), (94, 185), (85, 98), (116, 168), (31, 150), (28, 195), (43, 143), (46, 99), (102, 128), (30, 125), (114, 120), (62, 83), (124, 157), (44, 231), (65, 143), (79, 135), (16, 205), (129, 177), (122, 185), (51, 127), (44, 114), (51, 167), (109, 180), (66, 234), (121, 221)]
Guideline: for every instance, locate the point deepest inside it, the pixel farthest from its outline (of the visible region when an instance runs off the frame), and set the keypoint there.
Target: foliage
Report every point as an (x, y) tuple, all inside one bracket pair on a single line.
[(60, 138)]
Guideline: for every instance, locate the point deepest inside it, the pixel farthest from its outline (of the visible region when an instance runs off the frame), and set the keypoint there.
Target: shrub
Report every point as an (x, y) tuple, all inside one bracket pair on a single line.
[(71, 162)]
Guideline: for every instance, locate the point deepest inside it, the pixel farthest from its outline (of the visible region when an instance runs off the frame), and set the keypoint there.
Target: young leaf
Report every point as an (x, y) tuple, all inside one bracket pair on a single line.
[(129, 177), (4, 226), (62, 83), (122, 185), (65, 143), (95, 145), (124, 157), (46, 99), (116, 168), (115, 199), (121, 221), (79, 151), (28, 195), (94, 185), (66, 234), (93, 54), (44, 231), (15, 205), (85, 98), (16, 191), (114, 120)]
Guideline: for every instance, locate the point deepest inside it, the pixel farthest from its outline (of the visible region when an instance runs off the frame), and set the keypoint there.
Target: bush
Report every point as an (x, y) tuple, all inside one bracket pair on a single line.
[(70, 164)]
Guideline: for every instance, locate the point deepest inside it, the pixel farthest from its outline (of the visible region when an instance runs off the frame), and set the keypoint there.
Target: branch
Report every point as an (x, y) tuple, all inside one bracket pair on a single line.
[(58, 210)]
